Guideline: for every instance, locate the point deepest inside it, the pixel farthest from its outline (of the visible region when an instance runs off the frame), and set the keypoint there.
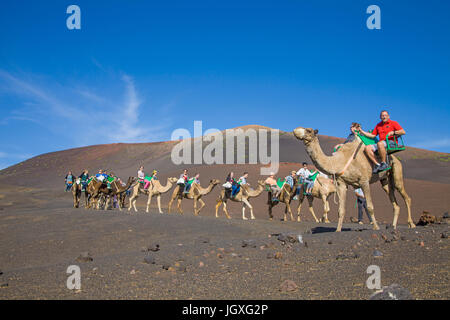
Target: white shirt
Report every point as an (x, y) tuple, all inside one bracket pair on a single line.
[(359, 192), (305, 173)]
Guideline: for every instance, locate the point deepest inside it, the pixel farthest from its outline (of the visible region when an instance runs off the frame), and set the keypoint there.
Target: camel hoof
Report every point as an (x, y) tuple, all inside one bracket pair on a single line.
[(253, 218), (411, 225), (376, 227), (298, 219), (244, 218)]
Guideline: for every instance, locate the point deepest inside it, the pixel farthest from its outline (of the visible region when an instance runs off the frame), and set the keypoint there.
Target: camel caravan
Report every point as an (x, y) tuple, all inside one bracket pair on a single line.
[(358, 162)]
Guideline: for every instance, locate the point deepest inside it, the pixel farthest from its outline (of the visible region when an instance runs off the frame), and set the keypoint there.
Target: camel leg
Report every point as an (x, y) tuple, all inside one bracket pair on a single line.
[(169, 206), (388, 187), (150, 195), (299, 208), (288, 209), (270, 212), (179, 206), (202, 204), (397, 180), (311, 209), (225, 210), (366, 189), (108, 199), (342, 193), (247, 203), (158, 200), (219, 203), (326, 209), (134, 204)]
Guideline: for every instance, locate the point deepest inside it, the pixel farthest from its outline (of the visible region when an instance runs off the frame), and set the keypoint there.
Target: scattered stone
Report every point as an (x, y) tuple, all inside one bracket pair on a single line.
[(220, 256), (278, 255), (166, 266), (426, 218), (374, 236), (290, 237), (85, 257), (383, 236), (133, 271), (182, 268), (203, 240), (392, 292), (201, 264), (421, 244), (330, 242), (249, 243), (221, 249), (403, 238), (150, 259), (288, 286), (347, 256), (4, 285), (377, 254), (444, 235), (154, 247), (171, 269), (1, 272)]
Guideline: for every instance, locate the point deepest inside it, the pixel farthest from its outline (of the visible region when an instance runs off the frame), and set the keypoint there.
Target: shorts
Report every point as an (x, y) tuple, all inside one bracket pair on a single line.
[(375, 146)]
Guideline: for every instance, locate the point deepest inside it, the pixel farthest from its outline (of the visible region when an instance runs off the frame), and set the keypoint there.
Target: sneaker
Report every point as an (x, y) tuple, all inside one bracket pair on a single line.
[(383, 167), (360, 222), (376, 169), (275, 200), (295, 198)]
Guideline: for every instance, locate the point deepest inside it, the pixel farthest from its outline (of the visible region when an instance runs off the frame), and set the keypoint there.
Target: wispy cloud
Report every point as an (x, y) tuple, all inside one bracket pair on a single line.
[(102, 115), (81, 105)]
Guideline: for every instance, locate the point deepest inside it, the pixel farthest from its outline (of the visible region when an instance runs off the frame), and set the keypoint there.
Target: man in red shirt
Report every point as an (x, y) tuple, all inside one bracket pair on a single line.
[(387, 128)]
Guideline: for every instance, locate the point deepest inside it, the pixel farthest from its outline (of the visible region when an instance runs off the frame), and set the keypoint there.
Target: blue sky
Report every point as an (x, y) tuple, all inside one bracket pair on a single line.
[(137, 70)]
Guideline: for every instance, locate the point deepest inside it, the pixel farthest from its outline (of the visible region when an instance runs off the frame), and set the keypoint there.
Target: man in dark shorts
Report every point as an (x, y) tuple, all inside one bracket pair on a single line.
[(387, 128)]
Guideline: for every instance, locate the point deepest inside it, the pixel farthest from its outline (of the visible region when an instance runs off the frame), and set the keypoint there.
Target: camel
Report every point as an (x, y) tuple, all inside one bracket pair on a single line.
[(286, 195), (76, 192), (323, 188), (155, 189), (243, 195), (350, 166), (195, 193), (93, 191), (99, 188)]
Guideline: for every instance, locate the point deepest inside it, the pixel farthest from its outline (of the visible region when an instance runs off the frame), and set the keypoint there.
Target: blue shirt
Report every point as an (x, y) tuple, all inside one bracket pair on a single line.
[(290, 181)]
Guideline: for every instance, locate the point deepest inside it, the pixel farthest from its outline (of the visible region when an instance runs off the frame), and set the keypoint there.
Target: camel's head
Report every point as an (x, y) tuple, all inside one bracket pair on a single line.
[(172, 179), (214, 181), (261, 183), (305, 134), (132, 179)]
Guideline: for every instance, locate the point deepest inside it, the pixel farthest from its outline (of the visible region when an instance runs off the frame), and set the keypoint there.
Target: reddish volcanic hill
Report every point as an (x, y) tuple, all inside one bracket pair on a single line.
[(48, 170)]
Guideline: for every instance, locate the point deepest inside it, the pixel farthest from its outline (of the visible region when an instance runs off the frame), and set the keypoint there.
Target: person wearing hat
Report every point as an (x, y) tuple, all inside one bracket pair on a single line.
[(195, 179), (151, 178), (290, 180), (276, 190)]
